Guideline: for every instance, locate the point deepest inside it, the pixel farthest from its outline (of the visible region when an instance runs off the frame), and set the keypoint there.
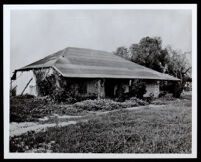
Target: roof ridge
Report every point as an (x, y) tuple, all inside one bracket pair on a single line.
[(90, 49), (62, 54)]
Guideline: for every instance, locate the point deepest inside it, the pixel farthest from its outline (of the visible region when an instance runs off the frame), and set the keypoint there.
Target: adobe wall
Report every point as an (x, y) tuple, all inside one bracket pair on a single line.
[(93, 86), (97, 87), (90, 86), (152, 88), (23, 77)]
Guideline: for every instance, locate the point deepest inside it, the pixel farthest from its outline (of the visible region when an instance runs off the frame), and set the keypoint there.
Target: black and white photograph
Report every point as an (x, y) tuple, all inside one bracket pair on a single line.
[(100, 81)]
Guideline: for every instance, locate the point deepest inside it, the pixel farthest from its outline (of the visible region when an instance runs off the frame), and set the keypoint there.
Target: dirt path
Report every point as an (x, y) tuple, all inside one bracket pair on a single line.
[(17, 129)]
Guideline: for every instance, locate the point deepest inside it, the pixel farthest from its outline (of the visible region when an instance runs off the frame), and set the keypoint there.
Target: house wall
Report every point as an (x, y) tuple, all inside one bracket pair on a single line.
[(96, 86), (93, 86), (22, 78), (152, 88)]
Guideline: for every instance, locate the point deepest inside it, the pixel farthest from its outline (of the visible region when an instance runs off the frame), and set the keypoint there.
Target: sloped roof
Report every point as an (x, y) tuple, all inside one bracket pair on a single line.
[(88, 63)]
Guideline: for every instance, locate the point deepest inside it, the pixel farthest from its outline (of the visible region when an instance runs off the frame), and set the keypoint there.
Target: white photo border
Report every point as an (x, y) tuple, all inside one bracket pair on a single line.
[(6, 80)]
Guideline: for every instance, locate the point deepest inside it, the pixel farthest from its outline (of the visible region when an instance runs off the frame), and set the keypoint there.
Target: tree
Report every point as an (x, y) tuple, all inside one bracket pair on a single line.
[(149, 52), (179, 67), (123, 52)]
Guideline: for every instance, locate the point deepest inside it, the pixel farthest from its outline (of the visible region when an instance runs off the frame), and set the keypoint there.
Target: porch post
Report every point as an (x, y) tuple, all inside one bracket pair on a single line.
[(99, 89)]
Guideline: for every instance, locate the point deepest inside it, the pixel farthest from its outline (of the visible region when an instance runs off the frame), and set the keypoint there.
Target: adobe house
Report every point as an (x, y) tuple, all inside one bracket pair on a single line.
[(88, 72)]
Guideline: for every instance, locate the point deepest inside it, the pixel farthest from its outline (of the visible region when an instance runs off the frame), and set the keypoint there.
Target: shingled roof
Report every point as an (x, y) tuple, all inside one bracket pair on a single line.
[(88, 63)]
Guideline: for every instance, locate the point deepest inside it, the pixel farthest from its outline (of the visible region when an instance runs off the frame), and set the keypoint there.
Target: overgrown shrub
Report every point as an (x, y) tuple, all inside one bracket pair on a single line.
[(138, 89), (26, 96), (63, 95), (177, 90), (122, 97), (26, 108), (31, 109), (162, 93), (69, 96), (137, 101), (47, 86), (93, 105), (107, 104), (150, 98), (27, 141), (91, 96)]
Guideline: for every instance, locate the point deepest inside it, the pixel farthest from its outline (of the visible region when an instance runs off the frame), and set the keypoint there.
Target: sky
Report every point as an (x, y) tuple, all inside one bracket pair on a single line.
[(35, 34)]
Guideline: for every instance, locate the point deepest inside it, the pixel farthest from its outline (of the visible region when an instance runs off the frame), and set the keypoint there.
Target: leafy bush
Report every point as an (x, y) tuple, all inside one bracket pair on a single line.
[(28, 109), (46, 86), (107, 104), (91, 96), (93, 105), (27, 141), (138, 89), (57, 93), (162, 93), (177, 90), (62, 95), (150, 98), (26, 96), (122, 97), (137, 101), (68, 96), (31, 109), (25, 109)]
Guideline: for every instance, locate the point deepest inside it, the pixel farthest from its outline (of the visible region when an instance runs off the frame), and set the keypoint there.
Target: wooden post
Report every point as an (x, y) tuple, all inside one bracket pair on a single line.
[(26, 86), (99, 89), (14, 90)]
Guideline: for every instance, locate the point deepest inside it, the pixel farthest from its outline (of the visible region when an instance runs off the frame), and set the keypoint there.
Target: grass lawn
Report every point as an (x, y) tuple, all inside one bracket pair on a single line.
[(155, 129)]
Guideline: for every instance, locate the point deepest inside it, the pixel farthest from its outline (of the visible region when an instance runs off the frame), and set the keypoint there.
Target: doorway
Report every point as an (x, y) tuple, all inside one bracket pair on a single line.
[(109, 88)]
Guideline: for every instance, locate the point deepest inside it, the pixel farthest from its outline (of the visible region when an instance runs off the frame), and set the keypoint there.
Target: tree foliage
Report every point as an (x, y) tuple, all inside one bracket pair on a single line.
[(179, 67), (149, 52), (122, 51)]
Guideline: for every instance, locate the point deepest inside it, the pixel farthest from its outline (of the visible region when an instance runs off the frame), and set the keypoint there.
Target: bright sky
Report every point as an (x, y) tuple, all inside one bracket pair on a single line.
[(38, 33)]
